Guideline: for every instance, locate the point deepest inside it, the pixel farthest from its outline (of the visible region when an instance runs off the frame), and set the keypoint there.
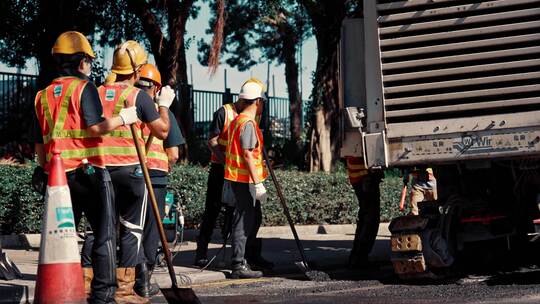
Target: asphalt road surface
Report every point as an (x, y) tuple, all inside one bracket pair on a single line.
[(377, 286)]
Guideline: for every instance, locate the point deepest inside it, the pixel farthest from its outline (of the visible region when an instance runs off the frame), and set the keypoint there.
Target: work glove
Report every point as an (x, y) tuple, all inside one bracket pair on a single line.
[(165, 97), (258, 192), (39, 180), (129, 115)]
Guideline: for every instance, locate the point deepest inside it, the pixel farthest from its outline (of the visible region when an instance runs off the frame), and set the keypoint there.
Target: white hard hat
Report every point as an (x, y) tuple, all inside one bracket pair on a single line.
[(250, 91)]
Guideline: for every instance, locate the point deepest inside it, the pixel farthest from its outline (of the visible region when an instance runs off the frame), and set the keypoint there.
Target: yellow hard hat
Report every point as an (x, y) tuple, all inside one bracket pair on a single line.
[(257, 81), (128, 58), (111, 78), (72, 42)]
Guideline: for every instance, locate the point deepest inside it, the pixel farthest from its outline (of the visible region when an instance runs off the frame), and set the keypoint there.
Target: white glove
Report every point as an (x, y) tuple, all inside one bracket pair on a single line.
[(129, 115), (165, 97), (258, 192)]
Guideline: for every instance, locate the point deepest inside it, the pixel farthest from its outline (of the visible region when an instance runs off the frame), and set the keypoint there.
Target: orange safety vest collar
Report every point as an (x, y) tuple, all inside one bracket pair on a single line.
[(235, 165), (58, 110)]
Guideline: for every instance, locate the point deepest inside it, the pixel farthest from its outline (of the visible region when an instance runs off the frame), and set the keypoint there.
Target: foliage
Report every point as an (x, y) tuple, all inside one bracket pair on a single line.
[(20, 207)]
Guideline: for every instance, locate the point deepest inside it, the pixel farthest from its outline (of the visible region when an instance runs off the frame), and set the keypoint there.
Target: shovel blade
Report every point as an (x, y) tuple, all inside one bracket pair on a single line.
[(180, 296)]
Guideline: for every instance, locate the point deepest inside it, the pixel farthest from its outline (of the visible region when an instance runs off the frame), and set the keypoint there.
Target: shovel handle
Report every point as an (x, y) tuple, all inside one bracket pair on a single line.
[(155, 210), (285, 209)]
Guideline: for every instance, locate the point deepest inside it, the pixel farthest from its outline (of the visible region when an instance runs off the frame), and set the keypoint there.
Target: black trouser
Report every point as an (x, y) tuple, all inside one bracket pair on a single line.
[(367, 224), (151, 232), (212, 208), (93, 195), (247, 220), (131, 202)]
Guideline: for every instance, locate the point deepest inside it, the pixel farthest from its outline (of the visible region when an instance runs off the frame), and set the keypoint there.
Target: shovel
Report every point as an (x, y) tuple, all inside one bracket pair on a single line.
[(175, 294), (312, 275)]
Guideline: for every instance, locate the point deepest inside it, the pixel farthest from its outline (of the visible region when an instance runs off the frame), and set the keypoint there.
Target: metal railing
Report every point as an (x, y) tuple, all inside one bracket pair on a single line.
[(17, 93), (205, 103)]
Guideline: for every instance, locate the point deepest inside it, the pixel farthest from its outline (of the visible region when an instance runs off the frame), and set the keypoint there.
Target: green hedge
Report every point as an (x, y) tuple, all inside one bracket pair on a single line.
[(316, 198)]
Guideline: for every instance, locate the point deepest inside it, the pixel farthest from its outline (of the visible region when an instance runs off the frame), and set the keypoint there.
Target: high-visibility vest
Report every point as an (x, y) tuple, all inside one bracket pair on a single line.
[(156, 157), (356, 169), (59, 114), (119, 147), (235, 165), (230, 115)]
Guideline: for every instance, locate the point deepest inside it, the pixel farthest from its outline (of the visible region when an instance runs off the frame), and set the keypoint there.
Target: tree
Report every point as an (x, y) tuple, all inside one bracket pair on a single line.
[(326, 17), (277, 29), (32, 30)]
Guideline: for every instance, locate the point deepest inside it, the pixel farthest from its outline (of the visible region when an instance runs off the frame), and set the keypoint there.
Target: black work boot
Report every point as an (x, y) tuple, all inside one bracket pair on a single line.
[(201, 259), (142, 286), (254, 257), (242, 271)]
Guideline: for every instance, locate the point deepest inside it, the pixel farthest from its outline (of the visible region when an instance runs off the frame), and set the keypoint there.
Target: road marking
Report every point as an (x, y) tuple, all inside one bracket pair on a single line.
[(233, 282)]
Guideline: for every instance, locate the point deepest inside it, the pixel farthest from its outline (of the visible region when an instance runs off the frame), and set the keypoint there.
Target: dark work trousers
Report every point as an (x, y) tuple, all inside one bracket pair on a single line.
[(212, 208), (247, 220), (151, 232), (131, 198), (367, 224), (93, 195)]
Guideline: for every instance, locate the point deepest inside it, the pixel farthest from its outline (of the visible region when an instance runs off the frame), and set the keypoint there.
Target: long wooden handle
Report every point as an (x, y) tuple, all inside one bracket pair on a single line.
[(155, 209), (286, 210), (403, 197)]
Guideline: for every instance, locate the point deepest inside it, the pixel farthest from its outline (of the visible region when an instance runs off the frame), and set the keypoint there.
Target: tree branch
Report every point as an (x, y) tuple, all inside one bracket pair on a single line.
[(150, 25)]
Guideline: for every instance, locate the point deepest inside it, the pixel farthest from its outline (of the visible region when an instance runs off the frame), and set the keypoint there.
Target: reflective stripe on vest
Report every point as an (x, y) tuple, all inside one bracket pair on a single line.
[(230, 115), (235, 165), (118, 145), (156, 157), (58, 110), (356, 169)]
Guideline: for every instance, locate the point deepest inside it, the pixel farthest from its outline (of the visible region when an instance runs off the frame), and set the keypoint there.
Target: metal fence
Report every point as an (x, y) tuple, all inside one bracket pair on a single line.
[(205, 103), (17, 93)]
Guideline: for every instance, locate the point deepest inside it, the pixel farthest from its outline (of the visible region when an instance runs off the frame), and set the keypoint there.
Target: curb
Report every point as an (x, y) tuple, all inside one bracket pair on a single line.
[(31, 241)]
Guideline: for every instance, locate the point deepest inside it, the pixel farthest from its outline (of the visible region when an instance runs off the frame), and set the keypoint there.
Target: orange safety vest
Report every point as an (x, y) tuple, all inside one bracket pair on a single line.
[(156, 157), (58, 110), (118, 145), (356, 169), (230, 115), (235, 165)]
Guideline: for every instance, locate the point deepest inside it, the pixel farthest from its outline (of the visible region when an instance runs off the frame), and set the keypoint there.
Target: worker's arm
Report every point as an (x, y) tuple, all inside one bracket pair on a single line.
[(172, 155), (213, 145), (160, 127), (40, 153), (105, 126), (250, 162)]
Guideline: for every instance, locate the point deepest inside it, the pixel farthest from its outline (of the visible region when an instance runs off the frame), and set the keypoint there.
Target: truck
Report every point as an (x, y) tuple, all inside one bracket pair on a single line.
[(453, 85)]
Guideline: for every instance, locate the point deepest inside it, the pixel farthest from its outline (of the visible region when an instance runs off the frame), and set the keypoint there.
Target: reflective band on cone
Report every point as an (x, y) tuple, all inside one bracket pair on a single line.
[(59, 276)]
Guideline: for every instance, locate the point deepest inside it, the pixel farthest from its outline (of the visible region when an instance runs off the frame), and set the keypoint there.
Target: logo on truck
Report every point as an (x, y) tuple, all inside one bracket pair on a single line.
[(471, 144)]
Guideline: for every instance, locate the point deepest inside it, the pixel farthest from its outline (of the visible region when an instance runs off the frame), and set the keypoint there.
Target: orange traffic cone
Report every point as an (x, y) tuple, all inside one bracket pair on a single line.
[(59, 276)]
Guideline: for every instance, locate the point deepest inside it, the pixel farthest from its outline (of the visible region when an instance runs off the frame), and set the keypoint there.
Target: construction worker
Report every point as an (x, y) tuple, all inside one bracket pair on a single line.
[(366, 187), (69, 118), (246, 172), (423, 187), (161, 156), (122, 161), (217, 143)]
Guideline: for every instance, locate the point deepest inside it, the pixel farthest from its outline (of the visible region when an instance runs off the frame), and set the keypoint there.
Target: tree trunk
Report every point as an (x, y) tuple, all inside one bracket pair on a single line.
[(295, 100), (326, 17)]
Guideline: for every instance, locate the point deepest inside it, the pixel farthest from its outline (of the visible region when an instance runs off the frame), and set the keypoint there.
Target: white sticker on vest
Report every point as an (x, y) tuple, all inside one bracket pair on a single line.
[(57, 91), (109, 95)]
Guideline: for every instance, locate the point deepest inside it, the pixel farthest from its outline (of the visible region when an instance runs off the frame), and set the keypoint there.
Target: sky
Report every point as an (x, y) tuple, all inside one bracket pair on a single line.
[(201, 79)]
